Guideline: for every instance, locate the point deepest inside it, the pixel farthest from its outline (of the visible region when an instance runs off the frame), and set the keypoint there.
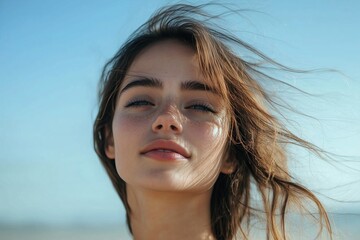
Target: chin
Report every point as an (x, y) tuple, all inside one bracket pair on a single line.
[(172, 184)]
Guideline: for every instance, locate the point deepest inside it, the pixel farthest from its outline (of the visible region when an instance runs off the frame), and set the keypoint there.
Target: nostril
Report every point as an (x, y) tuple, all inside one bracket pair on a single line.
[(163, 123)]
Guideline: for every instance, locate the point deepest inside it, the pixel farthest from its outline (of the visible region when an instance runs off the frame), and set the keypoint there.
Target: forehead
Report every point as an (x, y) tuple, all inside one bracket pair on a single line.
[(166, 58), (165, 48), (175, 61)]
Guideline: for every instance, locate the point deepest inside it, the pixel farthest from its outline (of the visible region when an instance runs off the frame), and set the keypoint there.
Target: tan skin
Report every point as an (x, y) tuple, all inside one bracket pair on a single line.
[(168, 143)]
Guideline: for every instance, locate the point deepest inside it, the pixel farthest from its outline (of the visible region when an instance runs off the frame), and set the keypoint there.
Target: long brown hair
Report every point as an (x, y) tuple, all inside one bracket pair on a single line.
[(257, 139)]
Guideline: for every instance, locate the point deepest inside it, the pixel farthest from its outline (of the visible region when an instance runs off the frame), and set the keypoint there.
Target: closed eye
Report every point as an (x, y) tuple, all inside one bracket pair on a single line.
[(139, 103), (201, 107)]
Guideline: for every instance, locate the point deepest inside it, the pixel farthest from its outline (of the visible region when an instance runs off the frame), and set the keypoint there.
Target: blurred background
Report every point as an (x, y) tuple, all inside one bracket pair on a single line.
[(52, 186)]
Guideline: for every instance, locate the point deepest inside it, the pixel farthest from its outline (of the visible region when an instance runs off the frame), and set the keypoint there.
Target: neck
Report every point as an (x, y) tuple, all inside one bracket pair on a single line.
[(163, 215)]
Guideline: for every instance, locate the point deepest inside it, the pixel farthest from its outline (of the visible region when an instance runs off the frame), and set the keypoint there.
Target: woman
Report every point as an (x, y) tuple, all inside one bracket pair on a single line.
[(186, 137)]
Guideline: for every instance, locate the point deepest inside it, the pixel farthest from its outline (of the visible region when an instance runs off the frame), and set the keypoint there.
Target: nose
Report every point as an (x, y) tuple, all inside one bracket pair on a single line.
[(167, 122)]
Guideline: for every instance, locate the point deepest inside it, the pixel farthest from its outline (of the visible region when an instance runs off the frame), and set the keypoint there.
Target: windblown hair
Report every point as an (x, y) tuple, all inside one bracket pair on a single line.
[(257, 139)]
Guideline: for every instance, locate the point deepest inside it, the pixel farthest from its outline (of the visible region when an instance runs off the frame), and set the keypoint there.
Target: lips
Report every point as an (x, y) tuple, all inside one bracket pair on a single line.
[(165, 150)]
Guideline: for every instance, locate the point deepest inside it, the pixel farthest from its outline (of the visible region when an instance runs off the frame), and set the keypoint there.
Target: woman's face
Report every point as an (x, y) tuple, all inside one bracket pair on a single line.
[(169, 127)]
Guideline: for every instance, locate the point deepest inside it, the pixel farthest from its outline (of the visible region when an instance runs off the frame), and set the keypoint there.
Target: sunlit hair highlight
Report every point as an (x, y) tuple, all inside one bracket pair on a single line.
[(257, 139)]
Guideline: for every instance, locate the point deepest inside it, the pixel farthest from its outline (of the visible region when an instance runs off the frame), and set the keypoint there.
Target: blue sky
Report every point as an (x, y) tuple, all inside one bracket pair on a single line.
[(51, 55)]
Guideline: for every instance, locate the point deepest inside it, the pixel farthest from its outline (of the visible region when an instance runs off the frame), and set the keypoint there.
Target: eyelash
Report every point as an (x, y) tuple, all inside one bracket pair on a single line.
[(203, 107), (138, 103)]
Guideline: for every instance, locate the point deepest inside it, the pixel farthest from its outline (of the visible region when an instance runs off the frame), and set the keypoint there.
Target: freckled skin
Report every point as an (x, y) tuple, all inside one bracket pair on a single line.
[(202, 133)]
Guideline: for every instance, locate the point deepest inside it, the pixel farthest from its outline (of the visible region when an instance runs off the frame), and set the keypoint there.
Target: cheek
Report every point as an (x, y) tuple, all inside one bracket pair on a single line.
[(126, 128), (122, 129), (128, 134), (208, 140), (208, 136)]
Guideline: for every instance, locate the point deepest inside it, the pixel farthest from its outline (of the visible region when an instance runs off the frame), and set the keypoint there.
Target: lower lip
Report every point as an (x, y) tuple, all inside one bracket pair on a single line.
[(164, 156)]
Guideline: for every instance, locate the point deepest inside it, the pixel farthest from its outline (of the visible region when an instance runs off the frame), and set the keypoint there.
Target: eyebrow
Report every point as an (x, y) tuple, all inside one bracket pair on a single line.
[(156, 83), (143, 82), (196, 86)]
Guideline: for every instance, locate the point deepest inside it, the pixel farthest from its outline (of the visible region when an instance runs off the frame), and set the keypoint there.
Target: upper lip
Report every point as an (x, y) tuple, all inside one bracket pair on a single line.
[(166, 145)]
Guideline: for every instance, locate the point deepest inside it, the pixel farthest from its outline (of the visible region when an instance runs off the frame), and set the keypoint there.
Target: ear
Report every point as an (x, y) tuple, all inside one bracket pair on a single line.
[(228, 164), (228, 167), (109, 144)]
